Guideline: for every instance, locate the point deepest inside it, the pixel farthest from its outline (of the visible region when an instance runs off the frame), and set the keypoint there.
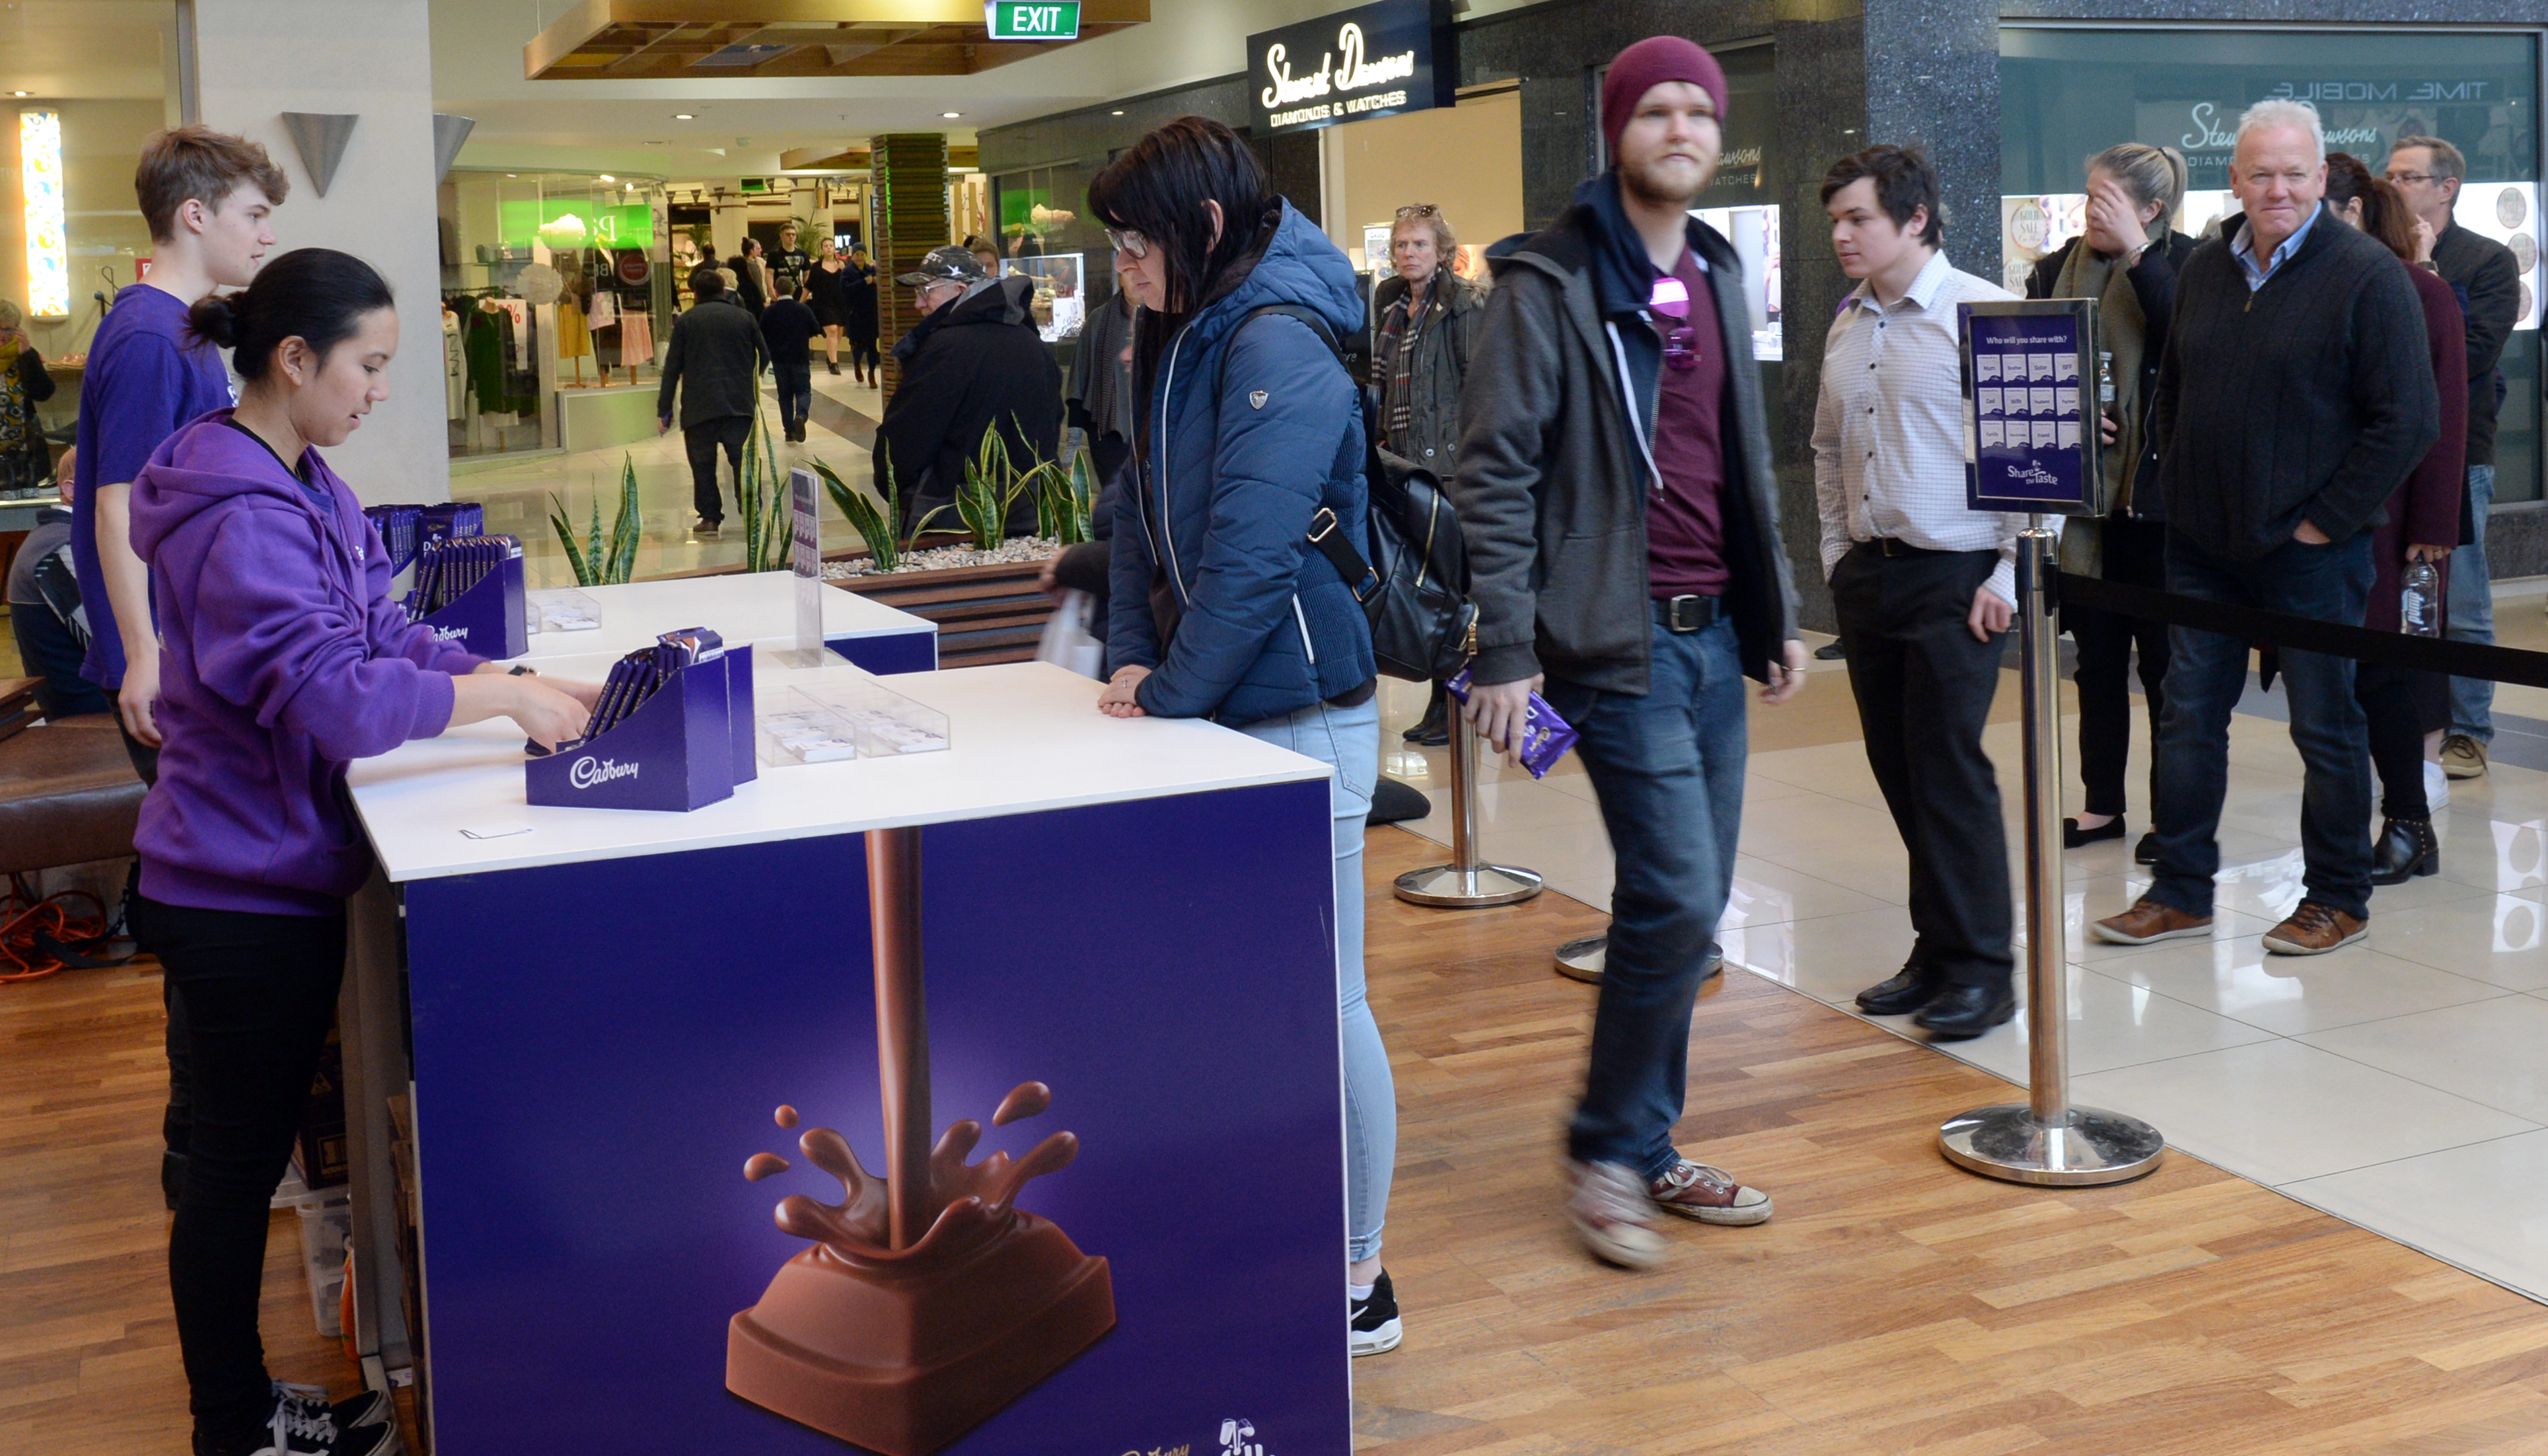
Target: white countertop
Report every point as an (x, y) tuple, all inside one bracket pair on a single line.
[(1025, 737), (756, 606)]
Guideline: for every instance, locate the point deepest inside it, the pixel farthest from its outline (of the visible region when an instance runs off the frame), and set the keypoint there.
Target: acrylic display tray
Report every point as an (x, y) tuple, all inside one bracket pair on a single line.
[(845, 720)]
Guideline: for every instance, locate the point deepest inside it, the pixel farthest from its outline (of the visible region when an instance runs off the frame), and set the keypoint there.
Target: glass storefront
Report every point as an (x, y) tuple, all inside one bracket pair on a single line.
[(2067, 94), (550, 281)]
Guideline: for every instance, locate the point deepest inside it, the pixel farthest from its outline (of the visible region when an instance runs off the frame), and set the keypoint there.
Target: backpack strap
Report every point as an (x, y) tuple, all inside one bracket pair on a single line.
[(1351, 569)]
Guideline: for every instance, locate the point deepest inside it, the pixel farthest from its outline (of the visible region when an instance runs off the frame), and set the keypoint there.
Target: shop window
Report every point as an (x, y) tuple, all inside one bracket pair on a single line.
[(2068, 93)]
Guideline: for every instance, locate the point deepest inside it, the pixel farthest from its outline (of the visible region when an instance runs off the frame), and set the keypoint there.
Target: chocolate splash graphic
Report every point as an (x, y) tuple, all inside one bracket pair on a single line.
[(928, 1300)]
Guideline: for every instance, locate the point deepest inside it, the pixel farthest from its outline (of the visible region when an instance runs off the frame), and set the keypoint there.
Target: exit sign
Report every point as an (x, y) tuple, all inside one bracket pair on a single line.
[(1032, 20)]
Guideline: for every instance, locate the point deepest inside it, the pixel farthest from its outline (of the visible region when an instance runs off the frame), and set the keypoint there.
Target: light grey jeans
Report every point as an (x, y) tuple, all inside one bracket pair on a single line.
[(1347, 741)]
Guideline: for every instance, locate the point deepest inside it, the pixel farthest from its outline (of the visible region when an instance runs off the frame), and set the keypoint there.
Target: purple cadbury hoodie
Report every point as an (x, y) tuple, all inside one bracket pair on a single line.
[(282, 659)]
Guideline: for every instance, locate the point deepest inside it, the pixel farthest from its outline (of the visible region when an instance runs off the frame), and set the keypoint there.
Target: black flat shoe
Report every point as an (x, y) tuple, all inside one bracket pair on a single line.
[(1433, 730), (2146, 852), (2405, 850), (1961, 1013), (2072, 836), (1906, 990)]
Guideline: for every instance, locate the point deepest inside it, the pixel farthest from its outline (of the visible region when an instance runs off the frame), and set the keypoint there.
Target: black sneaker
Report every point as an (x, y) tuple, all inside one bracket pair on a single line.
[(364, 1425), (1371, 1326)]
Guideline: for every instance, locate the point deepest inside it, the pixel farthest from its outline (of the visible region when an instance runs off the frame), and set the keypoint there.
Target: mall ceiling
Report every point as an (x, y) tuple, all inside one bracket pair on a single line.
[(617, 39)]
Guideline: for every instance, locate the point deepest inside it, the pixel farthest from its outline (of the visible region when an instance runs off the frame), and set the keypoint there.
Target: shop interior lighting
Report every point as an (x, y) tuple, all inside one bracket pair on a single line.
[(683, 116), (949, 114), (1114, 113), (49, 254), (606, 177), (21, 93)]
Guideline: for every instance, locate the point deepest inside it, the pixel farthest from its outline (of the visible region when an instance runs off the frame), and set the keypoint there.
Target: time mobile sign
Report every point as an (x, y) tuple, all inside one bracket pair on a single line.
[(1373, 61)]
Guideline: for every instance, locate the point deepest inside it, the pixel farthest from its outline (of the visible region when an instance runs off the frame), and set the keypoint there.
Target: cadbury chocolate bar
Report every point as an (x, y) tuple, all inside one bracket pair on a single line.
[(1544, 737)]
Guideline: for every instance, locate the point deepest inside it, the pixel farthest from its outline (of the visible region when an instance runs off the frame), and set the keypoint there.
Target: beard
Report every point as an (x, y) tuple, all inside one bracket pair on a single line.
[(1663, 184)]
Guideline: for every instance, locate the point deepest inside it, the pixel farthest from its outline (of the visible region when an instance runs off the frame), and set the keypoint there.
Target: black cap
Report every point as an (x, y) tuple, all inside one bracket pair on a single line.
[(949, 264)]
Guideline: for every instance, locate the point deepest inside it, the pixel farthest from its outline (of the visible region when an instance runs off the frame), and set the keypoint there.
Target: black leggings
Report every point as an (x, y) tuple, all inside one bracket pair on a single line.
[(2401, 705), (2132, 556), (862, 352), (261, 993)]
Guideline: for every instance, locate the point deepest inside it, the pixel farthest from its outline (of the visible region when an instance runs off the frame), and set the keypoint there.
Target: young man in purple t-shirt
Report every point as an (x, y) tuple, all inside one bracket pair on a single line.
[(207, 197)]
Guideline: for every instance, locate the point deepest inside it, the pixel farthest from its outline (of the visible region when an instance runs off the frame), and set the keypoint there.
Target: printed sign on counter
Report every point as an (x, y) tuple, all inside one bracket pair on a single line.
[(2029, 378)]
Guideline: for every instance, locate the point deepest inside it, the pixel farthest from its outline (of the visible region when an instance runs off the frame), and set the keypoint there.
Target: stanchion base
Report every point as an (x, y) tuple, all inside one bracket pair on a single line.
[(1452, 887), (1582, 959), (2007, 1142)]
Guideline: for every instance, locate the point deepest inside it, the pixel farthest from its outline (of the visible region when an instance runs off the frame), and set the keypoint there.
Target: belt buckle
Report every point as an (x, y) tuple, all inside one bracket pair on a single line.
[(1673, 615)]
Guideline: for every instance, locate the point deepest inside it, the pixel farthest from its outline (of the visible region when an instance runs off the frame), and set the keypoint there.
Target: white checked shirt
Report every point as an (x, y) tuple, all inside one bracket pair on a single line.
[(1889, 426)]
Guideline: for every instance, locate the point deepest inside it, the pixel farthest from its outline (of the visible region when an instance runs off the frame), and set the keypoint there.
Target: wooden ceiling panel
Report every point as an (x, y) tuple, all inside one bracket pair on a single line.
[(621, 39)]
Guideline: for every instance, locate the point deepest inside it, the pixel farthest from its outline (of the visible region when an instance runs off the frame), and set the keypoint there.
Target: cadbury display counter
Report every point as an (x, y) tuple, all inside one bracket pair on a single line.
[(966, 1079)]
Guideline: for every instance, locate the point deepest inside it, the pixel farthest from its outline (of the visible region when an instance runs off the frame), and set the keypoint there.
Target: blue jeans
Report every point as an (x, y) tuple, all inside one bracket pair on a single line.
[(1667, 768), (2206, 674), (1348, 740), (795, 397), (2472, 613)]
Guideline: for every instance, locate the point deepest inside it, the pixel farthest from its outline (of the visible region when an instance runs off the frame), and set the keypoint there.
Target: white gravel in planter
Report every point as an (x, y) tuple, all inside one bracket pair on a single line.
[(1022, 548)]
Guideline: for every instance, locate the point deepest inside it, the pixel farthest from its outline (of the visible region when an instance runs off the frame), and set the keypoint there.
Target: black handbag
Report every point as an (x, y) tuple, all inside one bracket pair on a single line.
[(1411, 573)]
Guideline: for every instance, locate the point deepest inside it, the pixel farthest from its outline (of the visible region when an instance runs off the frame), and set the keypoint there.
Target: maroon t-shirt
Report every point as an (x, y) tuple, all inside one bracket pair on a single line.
[(1686, 524)]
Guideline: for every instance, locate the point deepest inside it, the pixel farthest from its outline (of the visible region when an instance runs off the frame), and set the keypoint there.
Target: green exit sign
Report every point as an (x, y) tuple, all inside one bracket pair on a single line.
[(1032, 20)]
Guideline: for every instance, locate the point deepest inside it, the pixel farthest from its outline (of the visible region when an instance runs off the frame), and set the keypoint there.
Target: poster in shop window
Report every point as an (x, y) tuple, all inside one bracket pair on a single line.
[(2031, 379)]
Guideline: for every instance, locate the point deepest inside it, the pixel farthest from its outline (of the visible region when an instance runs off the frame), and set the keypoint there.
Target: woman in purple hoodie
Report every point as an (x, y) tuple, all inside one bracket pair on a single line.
[(284, 660)]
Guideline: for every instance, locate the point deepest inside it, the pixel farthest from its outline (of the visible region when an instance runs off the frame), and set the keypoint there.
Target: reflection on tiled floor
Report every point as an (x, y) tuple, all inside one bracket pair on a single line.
[(2401, 1083), (517, 493)]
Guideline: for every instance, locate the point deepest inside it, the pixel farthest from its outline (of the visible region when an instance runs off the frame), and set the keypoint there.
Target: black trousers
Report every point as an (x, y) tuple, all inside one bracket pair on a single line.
[(178, 1119), (702, 441), (1923, 688), (2135, 555), (2401, 705), (261, 991)]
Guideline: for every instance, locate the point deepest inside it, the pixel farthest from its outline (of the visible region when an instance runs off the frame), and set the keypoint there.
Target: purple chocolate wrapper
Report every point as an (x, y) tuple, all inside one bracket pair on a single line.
[(1545, 737)]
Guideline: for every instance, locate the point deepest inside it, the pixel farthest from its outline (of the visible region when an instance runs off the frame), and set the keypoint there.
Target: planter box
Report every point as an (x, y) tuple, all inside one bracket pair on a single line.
[(984, 613)]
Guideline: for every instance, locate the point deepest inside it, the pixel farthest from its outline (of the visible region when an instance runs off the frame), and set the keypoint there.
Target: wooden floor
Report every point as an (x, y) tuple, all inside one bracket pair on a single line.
[(1893, 1306)]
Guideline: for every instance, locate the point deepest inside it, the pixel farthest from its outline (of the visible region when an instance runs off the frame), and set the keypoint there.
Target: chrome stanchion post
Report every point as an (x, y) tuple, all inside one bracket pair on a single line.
[(1465, 882), (2045, 1140)]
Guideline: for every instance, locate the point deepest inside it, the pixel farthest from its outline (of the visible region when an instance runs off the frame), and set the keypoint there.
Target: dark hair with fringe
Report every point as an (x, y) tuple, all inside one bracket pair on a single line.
[(1158, 188), (2385, 215), (317, 295), (1905, 182), (706, 282)]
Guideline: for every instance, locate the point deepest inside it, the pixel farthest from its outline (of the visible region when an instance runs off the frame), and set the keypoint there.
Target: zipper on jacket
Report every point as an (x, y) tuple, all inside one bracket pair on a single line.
[(1628, 397), (1303, 619), (1167, 447)]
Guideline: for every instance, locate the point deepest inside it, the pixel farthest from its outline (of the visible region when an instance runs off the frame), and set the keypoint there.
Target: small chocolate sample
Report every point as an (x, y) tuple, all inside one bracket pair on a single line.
[(785, 1117)]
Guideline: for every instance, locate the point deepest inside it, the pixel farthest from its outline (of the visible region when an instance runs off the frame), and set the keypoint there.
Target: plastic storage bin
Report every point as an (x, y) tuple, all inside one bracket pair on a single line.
[(327, 1223)]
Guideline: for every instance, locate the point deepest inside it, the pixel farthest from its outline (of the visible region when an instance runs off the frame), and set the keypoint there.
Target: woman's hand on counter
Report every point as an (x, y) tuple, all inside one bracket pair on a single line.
[(546, 715), (1119, 700)]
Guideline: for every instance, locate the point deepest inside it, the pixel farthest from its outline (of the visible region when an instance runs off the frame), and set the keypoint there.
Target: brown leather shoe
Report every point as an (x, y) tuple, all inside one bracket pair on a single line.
[(2314, 929), (2149, 921)]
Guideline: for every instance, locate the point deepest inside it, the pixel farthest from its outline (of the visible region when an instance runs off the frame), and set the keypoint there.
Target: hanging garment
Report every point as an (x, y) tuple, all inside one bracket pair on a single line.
[(455, 368), (519, 309), (574, 339), (604, 311), (636, 339)]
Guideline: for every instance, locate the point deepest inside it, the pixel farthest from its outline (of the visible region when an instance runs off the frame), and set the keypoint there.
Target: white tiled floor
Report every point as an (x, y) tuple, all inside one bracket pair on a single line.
[(2401, 1084), (517, 493)]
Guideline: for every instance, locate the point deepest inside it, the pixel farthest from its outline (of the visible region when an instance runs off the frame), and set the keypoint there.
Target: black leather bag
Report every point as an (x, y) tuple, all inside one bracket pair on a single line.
[(1411, 573)]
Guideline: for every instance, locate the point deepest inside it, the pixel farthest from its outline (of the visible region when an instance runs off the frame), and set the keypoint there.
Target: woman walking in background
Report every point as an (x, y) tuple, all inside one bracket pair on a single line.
[(830, 305), (2126, 259)]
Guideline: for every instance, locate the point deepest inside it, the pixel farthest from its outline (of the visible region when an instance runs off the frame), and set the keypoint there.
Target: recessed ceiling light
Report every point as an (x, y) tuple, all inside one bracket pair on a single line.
[(950, 115), (683, 116), (606, 177), (22, 93), (1114, 113), (512, 174)]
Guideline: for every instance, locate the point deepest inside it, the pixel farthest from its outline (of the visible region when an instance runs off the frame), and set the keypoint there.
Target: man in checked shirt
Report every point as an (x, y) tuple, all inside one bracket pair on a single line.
[(1923, 586)]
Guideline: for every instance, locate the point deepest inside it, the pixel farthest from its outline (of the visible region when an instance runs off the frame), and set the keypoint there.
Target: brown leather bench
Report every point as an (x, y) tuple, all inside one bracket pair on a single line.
[(67, 794)]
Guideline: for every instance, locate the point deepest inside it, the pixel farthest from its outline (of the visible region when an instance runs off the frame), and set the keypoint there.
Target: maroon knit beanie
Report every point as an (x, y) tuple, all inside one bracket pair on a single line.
[(1648, 64)]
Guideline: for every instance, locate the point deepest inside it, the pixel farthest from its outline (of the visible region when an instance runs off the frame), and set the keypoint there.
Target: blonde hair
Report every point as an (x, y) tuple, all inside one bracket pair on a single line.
[(2151, 175), (1445, 241), (10, 316)]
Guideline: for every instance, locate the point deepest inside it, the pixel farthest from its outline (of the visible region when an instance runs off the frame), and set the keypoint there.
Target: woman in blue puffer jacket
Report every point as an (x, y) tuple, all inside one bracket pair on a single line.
[(1248, 428)]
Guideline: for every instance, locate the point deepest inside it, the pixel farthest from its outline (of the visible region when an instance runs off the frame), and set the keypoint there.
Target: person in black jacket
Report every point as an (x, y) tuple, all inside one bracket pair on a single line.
[(975, 362), (859, 318), (2295, 394), (746, 266), (788, 326), (2128, 261), (714, 361)]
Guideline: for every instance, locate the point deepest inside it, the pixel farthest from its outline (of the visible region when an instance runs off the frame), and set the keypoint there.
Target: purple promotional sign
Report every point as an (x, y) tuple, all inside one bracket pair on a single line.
[(630, 1141), (2030, 406), (489, 618), (681, 750)]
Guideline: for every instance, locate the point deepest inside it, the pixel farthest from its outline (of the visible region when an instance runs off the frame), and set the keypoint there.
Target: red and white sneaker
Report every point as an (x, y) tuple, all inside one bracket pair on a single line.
[(1708, 1194), (1614, 1217)]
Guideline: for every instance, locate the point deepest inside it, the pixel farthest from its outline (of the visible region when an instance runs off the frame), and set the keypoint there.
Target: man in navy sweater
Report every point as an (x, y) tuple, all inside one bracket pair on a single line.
[(2295, 394)]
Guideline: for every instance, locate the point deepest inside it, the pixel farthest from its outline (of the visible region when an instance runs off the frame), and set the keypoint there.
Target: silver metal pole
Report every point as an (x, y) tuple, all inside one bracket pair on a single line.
[(2045, 1140), (1466, 883)]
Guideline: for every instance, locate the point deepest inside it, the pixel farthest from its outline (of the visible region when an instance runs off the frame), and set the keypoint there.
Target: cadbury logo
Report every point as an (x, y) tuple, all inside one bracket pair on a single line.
[(589, 771), (451, 634)]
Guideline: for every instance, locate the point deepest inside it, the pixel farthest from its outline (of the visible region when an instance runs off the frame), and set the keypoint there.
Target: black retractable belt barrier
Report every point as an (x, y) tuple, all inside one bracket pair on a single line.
[(2306, 634)]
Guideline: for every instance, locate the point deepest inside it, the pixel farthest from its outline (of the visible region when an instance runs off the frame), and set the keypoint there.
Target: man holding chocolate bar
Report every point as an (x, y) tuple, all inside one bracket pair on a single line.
[(1621, 519)]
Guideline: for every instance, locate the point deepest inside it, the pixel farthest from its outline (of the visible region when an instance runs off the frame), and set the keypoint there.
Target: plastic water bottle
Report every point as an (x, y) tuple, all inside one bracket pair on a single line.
[(2419, 600)]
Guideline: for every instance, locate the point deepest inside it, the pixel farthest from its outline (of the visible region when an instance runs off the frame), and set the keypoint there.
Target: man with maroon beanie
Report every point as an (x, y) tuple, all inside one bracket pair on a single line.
[(1622, 526)]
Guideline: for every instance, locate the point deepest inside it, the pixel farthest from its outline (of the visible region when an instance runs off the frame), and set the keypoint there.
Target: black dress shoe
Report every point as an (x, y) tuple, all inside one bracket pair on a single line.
[(2072, 836), (2146, 852), (1433, 730), (1907, 989), (1829, 652), (2405, 850), (1961, 1013)]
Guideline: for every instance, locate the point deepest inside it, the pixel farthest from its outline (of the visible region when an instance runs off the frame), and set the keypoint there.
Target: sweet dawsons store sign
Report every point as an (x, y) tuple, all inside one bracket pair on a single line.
[(1373, 61)]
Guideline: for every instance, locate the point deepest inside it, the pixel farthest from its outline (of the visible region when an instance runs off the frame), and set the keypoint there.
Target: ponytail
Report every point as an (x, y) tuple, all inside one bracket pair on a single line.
[(316, 295)]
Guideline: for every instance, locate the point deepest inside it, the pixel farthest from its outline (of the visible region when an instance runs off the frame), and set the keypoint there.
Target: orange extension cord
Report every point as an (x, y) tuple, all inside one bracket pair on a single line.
[(39, 936)]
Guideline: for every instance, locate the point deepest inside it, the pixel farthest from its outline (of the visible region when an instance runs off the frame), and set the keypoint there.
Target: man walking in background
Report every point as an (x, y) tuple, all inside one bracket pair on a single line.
[(1923, 586), (1613, 409), (2430, 172), (788, 326), (2295, 394), (714, 362)]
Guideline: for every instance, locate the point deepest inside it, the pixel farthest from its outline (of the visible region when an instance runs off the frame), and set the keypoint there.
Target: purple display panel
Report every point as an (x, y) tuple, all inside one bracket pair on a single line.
[(892, 652), (597, 1057), (489, 618), (2030, 383), (738, 712), (675, 753)]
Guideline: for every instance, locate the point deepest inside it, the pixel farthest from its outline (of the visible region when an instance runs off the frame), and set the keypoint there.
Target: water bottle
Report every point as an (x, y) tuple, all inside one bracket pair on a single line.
[(2105, 380), (2419, 600)]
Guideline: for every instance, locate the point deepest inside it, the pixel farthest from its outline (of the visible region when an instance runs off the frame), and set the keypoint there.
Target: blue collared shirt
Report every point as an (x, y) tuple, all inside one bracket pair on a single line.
[(2245, 250)]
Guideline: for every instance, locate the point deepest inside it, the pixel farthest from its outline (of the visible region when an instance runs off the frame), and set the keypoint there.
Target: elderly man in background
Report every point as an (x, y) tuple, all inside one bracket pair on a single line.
[(2295, 395), (1428, 320)]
